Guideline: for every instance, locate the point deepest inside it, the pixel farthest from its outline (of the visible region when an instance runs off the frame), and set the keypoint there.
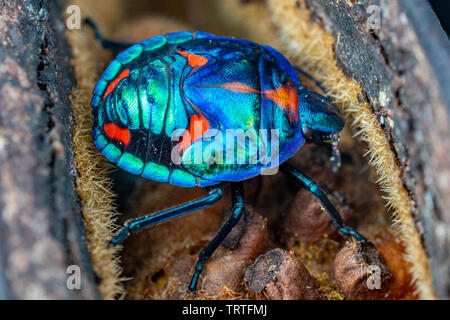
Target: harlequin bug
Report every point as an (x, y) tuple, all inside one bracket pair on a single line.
[(201, 86)]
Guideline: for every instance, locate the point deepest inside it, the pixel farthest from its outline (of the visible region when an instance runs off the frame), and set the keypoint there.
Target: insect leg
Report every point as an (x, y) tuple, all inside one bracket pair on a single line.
[(134, 225), (106, 44), (237, 192), (335, 153), (311, 186), (306, 74)]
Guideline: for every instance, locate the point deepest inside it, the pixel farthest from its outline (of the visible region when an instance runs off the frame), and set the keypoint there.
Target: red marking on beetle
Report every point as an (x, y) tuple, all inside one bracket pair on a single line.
[(198, 126), (193, 59), (285, 98), (115, 132), (114, 83)]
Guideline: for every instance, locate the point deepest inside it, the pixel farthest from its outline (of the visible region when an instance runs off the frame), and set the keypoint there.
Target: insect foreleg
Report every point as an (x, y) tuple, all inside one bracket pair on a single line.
[(311, 186), (335, 153)]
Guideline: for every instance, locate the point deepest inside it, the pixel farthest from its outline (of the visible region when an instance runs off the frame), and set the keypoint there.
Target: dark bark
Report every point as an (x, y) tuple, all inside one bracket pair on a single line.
[(403, 70), (41, 229)]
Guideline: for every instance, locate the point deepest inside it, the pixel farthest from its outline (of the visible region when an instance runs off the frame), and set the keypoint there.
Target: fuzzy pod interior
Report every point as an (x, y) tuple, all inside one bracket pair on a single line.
[(284, 25)]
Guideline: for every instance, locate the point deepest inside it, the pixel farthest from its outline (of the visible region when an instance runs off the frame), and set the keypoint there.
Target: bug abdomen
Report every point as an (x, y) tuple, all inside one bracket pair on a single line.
[(136, 107)]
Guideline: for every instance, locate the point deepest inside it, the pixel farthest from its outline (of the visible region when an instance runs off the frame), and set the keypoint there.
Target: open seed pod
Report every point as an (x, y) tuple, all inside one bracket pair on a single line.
[(381, 64)]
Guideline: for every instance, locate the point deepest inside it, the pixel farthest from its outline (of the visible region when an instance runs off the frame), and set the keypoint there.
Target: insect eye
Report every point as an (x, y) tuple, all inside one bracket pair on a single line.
[(307, 132)]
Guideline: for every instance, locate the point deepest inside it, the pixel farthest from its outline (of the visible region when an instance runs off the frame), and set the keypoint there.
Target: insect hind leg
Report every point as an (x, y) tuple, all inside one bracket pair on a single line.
[(106, 44), (237, 192)]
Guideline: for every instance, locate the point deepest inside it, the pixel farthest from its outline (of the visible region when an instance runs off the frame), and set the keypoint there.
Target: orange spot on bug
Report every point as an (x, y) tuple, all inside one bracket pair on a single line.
[(115, 132), (114, 83), (193, 59), (198, 126), (238, 87), (285, 98)]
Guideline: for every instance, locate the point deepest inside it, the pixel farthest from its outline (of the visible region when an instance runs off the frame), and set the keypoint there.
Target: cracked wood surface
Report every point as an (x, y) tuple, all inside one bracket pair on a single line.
[(41, 231)]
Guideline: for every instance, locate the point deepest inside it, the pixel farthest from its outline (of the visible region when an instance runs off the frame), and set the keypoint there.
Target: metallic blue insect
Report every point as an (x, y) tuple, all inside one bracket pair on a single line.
[(194, 109)]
